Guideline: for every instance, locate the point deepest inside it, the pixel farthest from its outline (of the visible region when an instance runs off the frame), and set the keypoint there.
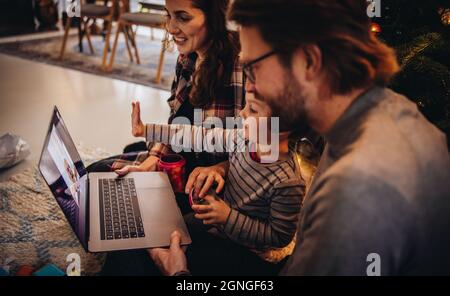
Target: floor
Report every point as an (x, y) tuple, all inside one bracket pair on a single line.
[(96, 110)]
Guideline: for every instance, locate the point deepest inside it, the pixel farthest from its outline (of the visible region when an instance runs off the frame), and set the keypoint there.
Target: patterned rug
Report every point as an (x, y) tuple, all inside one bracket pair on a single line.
[(47, 51), (33, 229)]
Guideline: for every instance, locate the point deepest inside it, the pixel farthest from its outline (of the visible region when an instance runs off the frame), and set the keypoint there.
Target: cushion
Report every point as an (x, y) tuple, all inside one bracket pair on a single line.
[(145, 19), (13, 150), (94, 10)]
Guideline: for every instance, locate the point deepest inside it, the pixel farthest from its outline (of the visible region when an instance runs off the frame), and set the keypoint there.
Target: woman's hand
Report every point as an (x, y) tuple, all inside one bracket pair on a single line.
[(137, 127), (202, 178), (149, 165), (216, 212)]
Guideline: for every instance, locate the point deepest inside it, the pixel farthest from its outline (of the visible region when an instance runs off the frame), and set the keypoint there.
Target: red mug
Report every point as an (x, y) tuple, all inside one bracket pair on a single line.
[(174, 166)]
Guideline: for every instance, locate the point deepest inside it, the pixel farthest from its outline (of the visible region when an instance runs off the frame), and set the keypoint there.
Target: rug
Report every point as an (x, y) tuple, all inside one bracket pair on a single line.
[(34, 230), (47, 50)]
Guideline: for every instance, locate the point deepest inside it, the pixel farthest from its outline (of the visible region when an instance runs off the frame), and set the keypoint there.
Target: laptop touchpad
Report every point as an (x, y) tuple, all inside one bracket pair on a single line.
[(150, 179)]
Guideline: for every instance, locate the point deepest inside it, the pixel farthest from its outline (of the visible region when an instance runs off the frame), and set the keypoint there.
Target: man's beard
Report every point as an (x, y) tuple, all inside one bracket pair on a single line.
[(289, 105)]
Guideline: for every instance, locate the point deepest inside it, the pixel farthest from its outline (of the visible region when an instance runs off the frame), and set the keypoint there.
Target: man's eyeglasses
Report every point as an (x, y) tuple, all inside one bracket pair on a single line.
[(248, 67)]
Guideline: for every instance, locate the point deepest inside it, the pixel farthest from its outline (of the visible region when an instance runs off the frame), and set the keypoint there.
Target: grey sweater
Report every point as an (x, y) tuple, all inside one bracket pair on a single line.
[(382, 186)]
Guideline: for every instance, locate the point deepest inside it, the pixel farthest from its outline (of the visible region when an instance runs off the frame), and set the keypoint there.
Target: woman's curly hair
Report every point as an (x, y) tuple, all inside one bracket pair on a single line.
[(215, 70)]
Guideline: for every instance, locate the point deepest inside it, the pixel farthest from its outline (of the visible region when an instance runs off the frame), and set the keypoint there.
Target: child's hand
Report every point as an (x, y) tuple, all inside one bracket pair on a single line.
[(137, 127), (216, 212), (202, 178)]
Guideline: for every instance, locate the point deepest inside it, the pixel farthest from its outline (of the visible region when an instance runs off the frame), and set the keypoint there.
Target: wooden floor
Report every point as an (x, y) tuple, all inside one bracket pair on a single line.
[(96, 109)]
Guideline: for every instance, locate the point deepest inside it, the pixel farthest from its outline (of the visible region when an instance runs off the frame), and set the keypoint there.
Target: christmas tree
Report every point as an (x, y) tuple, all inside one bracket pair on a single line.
[(419, 31)]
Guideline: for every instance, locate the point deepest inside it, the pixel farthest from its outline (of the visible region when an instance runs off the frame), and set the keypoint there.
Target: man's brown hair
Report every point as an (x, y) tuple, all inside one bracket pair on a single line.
[(351, 55)]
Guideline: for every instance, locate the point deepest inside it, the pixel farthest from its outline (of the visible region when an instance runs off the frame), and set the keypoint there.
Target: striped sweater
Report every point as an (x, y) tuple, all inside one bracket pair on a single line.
[(265, 199)]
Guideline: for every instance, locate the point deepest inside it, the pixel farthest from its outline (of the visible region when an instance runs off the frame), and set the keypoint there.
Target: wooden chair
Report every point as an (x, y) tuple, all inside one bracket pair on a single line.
[(125, 25), (92, 12), (149, 6)]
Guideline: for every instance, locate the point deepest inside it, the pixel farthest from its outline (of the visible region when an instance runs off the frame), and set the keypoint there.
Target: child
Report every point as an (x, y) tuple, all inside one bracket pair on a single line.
[(261, 201)]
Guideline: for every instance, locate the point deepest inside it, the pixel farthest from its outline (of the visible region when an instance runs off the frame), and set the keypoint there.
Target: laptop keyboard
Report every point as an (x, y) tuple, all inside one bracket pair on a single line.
[(120, 216)]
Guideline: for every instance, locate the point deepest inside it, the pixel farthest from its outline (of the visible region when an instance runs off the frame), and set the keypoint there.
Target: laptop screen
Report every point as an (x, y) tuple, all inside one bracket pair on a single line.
[(65, 174)]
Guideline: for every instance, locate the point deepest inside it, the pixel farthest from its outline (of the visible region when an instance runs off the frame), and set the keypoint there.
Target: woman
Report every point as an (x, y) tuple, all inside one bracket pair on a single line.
[(208, 77)]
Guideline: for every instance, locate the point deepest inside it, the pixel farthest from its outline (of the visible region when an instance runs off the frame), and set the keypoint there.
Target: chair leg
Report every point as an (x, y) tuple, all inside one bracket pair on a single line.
[(134, 35), (80, 34), (106, 24), (113, 52), (135, 30), (133, 42), (66, 34), (88, 35), (160, 64), (125, 33), (106, 48)]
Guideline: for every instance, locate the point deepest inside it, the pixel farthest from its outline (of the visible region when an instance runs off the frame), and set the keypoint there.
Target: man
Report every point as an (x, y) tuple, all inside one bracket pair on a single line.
[(380, 201)]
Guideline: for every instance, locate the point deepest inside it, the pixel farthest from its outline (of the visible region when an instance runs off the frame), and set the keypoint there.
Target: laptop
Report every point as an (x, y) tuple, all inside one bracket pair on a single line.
[(107, 212)]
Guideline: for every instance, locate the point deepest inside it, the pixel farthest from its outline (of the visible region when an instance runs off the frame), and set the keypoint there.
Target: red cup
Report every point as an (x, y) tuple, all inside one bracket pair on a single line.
[(174, 166)]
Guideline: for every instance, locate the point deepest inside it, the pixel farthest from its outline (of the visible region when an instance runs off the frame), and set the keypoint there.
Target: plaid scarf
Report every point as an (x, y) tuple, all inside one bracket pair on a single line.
[(227, 103)]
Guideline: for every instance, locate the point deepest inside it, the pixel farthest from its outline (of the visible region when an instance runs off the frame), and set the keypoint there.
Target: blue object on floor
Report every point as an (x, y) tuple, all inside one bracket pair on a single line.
[(3, 272), (49, 270)]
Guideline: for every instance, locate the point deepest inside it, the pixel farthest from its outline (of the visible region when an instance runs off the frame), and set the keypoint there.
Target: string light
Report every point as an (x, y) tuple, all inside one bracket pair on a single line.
[(375, 28)]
